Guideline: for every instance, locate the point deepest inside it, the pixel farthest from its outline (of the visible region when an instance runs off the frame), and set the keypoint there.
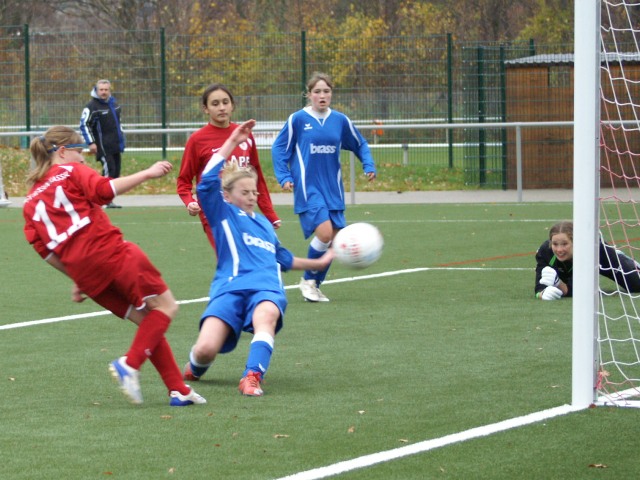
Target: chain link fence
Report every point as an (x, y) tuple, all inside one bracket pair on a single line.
[(46, 79)]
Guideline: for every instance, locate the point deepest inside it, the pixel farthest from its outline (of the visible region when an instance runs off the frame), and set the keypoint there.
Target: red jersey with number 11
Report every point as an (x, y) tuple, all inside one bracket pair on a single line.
[(63, 215)]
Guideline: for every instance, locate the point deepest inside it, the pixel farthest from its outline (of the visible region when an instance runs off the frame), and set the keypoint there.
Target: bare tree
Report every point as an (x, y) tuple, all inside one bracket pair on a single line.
[(20, 12)]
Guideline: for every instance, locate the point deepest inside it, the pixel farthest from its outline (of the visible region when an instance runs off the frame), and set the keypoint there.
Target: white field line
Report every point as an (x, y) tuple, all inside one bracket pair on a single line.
[(80, 316), (549, 221), (427, 445)]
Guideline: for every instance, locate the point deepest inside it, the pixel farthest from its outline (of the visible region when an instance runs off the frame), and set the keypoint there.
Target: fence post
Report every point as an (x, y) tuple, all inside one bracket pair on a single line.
[(450, 96), (503, 114), (482, 142), (163, 90), (27, 83), (519, 162), (303, 60)]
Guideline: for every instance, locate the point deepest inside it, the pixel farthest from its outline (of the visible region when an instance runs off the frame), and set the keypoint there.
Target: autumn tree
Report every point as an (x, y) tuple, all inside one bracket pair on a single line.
[(552, 22)]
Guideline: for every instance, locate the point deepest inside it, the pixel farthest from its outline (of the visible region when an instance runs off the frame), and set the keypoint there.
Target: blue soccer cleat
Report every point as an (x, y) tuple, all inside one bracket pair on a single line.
[(179, 400)]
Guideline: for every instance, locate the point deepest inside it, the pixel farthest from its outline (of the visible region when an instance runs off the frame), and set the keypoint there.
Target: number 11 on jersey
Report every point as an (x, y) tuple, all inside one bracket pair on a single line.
[(77, 222)]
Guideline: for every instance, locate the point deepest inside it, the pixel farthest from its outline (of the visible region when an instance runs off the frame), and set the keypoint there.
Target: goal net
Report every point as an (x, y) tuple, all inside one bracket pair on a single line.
[(618, 306)]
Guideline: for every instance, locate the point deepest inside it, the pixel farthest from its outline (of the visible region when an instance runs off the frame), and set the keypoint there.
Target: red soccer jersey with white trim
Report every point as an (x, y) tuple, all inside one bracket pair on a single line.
[(63, 215), (201, 146)]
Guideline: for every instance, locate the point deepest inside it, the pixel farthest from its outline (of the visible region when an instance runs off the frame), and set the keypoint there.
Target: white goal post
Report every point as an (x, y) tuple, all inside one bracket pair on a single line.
[(586, 147), (606, 314)]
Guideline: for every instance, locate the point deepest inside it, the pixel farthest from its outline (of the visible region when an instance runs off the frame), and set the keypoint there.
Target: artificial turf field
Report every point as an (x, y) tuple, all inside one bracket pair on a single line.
[(440, 337)]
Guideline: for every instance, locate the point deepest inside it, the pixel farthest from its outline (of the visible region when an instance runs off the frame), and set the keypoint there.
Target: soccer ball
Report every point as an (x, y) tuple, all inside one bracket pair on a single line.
[(358, 245)]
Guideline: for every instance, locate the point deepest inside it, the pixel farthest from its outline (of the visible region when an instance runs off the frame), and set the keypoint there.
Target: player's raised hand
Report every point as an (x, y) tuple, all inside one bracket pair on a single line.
[(241, 133), (551, 293), (549, 277)]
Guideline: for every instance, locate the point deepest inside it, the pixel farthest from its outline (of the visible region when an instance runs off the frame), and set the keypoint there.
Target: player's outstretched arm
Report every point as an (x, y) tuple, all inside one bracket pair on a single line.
[(157, 170), (321, 263)]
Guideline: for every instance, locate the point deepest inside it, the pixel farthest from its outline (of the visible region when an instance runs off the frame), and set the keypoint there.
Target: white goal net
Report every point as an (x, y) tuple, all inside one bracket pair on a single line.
[(618, 311)]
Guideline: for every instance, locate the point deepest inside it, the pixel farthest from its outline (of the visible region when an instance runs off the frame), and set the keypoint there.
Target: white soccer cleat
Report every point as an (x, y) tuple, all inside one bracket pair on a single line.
[(309, 290), (179, 400), (128, 378), (321, 296)]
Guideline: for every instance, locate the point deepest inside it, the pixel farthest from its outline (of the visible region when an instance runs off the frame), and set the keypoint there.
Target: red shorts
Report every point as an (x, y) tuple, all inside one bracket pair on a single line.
[(136, 281)]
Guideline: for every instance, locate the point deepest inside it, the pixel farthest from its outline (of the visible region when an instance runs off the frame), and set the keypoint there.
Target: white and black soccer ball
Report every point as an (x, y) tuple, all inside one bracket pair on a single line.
[(358, 245)]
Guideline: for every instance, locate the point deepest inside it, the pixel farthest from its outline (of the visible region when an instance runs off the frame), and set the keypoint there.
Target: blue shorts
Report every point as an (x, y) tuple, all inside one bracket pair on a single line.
[(236, 310), (310, 219)]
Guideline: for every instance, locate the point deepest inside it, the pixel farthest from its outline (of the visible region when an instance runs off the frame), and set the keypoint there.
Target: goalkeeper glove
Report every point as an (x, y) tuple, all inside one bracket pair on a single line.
[(549, 277), (551, 293)]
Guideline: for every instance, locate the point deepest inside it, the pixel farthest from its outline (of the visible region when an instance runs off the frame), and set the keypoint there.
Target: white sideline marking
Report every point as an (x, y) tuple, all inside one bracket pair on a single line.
[(31, 323), (425, 446), (80, 316)]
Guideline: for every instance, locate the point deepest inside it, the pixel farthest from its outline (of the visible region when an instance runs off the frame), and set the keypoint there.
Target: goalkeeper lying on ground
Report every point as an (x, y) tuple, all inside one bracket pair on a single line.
[(554, 265)]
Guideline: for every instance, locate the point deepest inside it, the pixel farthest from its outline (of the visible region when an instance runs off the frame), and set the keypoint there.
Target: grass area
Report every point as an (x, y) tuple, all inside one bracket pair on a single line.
[(419, 174), (393, 360)]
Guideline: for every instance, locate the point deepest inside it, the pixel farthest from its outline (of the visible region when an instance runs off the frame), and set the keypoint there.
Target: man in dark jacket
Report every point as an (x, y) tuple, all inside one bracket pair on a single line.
[(100, 126)]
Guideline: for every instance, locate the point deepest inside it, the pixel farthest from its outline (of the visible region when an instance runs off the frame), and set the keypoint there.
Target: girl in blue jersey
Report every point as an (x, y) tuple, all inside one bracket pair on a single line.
[(246, 293), (306, 158)]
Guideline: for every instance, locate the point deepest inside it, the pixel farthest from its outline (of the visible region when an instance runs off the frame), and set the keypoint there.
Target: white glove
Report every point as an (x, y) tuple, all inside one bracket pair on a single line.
[(549, 277), (551, 293)]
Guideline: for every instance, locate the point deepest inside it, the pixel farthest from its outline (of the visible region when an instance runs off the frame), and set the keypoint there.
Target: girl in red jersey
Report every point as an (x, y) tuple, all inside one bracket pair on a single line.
[(218, 103), (65, 223)]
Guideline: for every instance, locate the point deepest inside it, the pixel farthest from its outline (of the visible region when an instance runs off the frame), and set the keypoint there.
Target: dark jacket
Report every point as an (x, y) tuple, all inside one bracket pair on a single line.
[(100, 124), (614, 265)]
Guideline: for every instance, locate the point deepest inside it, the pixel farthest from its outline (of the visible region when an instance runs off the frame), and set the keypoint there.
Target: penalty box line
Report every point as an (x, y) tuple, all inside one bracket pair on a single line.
[(81, 316), (427, 445)]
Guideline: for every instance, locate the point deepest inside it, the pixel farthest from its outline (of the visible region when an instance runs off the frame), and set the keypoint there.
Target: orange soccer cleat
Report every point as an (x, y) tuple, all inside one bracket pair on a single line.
[(250, 384)]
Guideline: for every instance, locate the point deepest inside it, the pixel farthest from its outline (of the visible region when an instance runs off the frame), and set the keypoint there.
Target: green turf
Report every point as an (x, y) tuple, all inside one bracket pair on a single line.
[(389, 362)]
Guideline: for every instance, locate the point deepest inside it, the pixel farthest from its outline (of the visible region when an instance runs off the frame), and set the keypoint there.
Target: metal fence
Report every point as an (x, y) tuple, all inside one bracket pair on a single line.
[(46, 79)]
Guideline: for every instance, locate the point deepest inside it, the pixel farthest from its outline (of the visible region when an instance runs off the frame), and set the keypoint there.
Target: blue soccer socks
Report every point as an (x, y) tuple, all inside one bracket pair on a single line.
[(260, 352)]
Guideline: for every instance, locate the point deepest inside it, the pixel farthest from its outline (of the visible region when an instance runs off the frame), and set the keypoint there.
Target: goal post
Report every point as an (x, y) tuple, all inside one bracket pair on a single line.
[(606, 234), (586, 148)]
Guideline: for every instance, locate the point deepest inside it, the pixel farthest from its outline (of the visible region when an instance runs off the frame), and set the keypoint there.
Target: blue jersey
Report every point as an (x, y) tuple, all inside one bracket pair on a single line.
[(306, 152), (250, 256)]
